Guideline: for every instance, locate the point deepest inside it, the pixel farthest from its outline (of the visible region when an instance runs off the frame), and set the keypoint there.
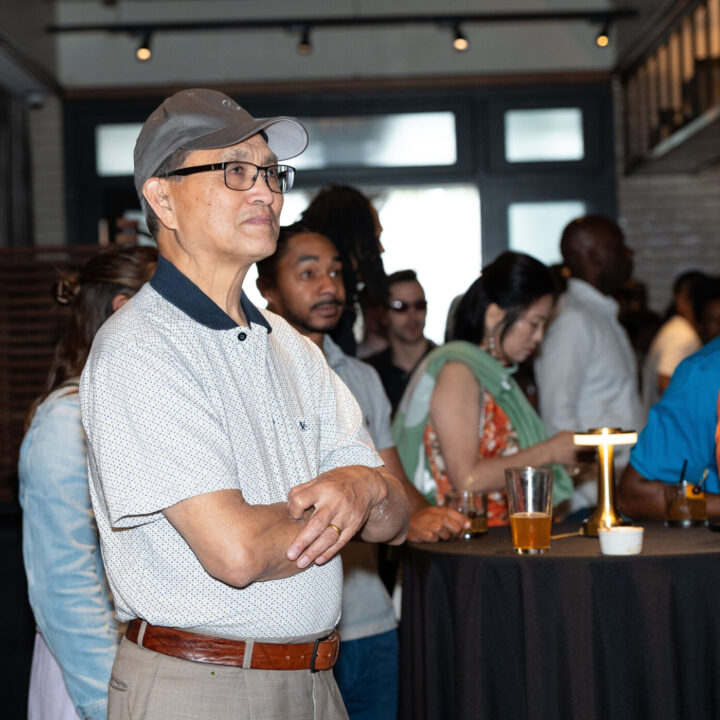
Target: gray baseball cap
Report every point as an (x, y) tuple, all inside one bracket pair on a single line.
[(201, 119)]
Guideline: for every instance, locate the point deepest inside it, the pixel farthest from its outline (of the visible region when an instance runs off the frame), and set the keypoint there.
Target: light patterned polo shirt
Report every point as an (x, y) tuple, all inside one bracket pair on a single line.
[(178, 400)]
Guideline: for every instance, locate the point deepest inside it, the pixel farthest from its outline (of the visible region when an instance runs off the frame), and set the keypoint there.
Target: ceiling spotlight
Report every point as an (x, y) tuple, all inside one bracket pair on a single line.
[(603, 37), (304, 46), (460, 42), (143, 53)]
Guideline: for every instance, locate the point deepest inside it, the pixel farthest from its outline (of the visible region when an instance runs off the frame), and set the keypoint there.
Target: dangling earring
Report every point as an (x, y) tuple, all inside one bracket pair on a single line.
[(491, 343)]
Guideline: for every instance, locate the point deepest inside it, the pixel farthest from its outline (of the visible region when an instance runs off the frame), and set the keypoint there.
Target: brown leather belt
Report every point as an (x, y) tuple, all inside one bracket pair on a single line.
[(320, 654)]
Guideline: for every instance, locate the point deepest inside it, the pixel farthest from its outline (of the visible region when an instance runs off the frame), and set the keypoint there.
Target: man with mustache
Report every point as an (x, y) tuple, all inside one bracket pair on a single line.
[(228, 466), (302, 282)]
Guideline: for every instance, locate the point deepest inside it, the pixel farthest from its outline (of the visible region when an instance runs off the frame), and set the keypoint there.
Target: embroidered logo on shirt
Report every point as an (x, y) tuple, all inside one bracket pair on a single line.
[(303, 426)]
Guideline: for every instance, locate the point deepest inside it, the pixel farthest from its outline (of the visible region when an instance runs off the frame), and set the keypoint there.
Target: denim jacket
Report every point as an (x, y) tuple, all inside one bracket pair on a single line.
[(68, 591)]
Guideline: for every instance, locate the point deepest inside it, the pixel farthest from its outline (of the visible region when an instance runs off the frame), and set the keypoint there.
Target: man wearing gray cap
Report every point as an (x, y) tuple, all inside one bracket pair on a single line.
[(228, 465)]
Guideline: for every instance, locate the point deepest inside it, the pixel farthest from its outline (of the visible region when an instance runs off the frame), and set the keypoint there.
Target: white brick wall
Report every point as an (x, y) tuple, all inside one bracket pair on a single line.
[(48, 180), (672, 222)]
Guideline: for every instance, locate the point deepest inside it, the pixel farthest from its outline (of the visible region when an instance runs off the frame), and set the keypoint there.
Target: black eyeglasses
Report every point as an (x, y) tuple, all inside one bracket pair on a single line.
[(400, 306), (240, 175)]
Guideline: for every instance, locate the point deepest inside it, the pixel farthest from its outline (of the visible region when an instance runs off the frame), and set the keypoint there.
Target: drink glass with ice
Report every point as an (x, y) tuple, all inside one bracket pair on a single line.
[(472, 504)]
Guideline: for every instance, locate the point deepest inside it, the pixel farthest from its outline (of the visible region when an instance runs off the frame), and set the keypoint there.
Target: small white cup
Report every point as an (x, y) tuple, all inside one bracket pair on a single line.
[(621, 540)]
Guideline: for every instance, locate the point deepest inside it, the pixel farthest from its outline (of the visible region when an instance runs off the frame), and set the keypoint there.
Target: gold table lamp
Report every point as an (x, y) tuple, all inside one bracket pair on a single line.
[(606, 515)]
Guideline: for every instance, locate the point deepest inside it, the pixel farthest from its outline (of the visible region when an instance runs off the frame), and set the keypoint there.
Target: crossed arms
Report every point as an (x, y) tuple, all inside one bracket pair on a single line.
[(161, 426), (240, 543)]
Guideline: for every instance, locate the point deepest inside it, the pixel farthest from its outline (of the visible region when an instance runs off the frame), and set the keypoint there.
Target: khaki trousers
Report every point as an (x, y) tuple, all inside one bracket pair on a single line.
[(146, 685)]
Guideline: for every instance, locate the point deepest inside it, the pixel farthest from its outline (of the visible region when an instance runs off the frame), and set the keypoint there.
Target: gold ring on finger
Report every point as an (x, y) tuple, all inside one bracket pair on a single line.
[(335, 528)]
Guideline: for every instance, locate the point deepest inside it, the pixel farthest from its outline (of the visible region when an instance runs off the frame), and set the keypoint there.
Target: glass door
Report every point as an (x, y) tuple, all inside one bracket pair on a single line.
[(432, 229)]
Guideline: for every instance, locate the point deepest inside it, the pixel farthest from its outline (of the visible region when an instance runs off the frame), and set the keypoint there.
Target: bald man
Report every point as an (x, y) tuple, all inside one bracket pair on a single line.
[(586, 372)]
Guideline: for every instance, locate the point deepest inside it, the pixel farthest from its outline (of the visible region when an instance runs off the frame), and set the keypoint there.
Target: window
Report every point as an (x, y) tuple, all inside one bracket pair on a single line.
[(434, 230), (114, 145), (398, 140), (544, 135), (535, 227), (527, 151)]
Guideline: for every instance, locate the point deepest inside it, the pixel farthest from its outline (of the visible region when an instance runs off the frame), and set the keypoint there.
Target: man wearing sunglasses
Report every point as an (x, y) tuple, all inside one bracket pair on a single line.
[(228, 466), (404, 321)]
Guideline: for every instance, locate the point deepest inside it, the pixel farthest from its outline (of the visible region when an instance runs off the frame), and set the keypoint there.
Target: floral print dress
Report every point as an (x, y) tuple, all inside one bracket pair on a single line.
[(496, 438)]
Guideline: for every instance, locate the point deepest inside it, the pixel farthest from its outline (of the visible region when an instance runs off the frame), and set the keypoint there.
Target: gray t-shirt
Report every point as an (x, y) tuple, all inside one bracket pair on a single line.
[(366, 607)]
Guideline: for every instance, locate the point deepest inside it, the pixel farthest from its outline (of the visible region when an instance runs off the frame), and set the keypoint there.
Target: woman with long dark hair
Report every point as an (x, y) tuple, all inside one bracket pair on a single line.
[(77, 634), (463, 418)]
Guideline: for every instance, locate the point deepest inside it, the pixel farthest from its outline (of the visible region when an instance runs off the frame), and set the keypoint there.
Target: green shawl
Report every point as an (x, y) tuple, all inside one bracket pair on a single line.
[(412, 414)]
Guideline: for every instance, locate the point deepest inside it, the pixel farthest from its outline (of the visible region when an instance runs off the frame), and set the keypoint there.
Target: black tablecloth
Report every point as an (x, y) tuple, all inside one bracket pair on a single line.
[(572, 634)]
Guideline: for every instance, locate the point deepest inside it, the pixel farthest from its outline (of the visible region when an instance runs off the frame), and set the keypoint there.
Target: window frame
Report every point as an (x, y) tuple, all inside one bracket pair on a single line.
[(480, 134), (592, 131)]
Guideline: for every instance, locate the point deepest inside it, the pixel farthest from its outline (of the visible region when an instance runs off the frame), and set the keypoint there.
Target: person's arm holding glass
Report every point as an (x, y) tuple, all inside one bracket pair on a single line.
[(455, 412), (678, 442), (428, 523), (464, 407)]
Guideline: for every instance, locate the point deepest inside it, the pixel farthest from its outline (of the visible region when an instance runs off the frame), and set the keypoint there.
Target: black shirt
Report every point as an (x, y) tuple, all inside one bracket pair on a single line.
[(394, 379)]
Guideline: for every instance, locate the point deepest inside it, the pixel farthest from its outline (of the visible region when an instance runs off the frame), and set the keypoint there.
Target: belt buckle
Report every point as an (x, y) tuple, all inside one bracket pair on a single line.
[(331, 637), (314, 654)]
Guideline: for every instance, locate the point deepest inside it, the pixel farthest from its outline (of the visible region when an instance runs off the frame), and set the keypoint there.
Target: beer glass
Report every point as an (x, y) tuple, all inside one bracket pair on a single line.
[(529, 491)]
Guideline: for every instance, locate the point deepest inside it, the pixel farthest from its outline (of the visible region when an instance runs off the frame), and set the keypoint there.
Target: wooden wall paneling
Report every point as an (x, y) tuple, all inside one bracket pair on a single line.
[(30, 325)]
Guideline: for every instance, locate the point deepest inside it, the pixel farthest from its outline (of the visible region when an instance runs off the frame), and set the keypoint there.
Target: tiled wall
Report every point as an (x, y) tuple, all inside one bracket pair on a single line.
[(671, 221), (673, 224), (46, 149)]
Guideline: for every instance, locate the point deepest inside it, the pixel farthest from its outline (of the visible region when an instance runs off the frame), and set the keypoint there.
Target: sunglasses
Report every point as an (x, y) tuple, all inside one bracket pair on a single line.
[(399, 306)]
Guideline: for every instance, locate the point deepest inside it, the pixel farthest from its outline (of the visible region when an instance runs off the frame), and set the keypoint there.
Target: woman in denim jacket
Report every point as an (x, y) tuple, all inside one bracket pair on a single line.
[(77, 633)]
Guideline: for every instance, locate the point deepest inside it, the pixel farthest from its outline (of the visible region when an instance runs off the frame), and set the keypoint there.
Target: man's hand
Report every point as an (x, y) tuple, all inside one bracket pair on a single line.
[(352, 499), (432, 524)]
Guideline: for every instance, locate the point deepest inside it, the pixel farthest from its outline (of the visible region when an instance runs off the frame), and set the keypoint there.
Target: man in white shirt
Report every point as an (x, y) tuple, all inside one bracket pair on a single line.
[(303, 283), (586, 372), (228, 466)]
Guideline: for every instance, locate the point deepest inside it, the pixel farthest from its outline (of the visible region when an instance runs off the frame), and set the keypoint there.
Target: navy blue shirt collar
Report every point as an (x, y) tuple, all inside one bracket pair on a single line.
[(188, 297)]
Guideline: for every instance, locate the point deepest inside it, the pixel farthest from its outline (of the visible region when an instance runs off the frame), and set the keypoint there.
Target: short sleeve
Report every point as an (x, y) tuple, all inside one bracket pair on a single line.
[(673, 354), (681, 426), (153, 439)]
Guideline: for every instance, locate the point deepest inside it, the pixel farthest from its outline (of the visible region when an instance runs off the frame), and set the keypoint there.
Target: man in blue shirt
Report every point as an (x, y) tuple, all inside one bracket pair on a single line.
[(681, 427)]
